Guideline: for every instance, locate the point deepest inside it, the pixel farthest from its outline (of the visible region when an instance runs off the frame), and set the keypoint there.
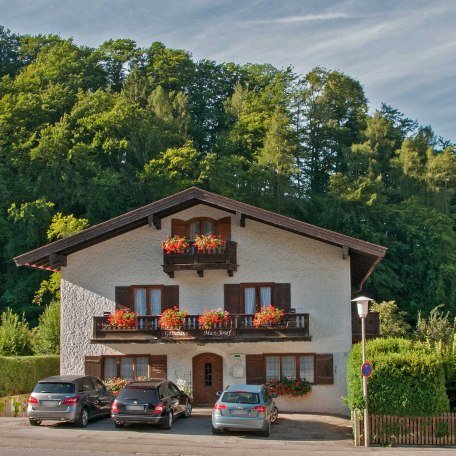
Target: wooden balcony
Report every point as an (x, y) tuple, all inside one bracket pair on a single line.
[(239, 328), (372, 326), (194, 260)]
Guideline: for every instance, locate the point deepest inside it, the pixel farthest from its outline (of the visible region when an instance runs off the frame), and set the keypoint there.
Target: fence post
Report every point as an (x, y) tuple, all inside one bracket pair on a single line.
[(356, 427)]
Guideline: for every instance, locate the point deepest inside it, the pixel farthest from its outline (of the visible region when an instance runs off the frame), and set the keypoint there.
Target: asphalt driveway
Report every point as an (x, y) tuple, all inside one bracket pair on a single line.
[(293, 434)]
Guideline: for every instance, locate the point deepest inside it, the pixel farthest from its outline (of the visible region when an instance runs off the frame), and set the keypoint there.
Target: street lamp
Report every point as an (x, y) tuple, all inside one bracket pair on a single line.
[(362, 304)]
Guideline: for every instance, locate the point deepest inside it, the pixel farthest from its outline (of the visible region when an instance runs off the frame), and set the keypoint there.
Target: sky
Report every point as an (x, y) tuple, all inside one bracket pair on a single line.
[(402, 51)]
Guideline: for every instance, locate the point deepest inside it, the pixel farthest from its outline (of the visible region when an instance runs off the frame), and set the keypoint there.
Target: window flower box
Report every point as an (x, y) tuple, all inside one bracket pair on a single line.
[(213, 318), (122, 320), (172, 319), (268, 317)]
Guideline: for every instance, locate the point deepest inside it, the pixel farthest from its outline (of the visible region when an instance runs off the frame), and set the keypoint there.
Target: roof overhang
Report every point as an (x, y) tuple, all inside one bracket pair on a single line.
[(364, 255)]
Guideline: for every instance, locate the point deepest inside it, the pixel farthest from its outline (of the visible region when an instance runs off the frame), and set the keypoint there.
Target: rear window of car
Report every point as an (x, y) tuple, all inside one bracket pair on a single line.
[(139, 394), (57, 388), (240, 397)]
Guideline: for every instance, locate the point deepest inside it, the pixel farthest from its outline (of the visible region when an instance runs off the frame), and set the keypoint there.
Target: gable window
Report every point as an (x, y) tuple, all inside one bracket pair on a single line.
[(256, 296), (292, 367), (200, 226)]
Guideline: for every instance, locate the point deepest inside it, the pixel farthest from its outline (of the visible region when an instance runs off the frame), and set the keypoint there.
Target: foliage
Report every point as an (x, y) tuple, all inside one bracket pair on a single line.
[(185, 387), (438, 327), (175, 244), (289, 387), (46, 336), (267, 316), (208, 242), (210, 318), (122, 319), (15, 335), (63, 226), (392, 320), (20, 374), (172, 318), (116, 384), (408, 379)]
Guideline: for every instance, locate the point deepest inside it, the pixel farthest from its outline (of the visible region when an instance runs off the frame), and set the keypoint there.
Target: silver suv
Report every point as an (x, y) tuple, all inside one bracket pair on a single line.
[(73, 398)]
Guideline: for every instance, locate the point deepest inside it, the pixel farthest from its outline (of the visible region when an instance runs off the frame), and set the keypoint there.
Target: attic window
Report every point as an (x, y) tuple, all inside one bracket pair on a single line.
[(200, 226)]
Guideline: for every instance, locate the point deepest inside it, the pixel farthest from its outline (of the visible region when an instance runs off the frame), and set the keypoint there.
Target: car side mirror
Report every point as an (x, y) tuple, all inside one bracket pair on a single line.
[(219, 393)]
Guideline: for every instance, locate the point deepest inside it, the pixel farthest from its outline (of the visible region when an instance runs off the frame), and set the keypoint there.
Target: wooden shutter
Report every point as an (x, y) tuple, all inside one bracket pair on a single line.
[(94, 366), (282, 296), (124, 297), (223, 228), (324, 369), (170, 297), (179, 228), (233, 298), (158, 366), (254, 369)]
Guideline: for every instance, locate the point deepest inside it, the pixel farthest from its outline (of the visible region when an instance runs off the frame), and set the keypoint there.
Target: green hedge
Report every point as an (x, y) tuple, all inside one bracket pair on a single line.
[(408, 379), (19, 374)]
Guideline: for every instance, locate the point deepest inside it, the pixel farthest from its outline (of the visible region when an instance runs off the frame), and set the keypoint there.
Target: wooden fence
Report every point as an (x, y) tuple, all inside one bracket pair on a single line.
[(403, 430)]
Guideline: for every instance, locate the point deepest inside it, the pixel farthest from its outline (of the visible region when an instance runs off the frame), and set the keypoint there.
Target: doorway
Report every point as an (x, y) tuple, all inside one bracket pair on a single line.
[(207, 378)]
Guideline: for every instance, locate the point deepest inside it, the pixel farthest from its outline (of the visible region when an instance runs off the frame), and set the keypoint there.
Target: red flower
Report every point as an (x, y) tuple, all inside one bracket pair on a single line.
[(175, 244), (172, 318), (268, 316), (212, 317), (122, 319)]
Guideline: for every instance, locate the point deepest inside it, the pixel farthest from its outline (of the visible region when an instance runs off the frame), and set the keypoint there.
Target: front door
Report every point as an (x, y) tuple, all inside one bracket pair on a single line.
[(207, 378)]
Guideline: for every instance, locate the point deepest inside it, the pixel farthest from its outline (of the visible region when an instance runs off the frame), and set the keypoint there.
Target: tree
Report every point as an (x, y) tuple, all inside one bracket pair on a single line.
[(15, 335), (392, 320), (46, 336), (438, 327)]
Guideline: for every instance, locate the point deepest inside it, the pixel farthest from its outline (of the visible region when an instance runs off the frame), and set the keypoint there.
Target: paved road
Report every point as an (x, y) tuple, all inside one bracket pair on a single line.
[(293, 434)]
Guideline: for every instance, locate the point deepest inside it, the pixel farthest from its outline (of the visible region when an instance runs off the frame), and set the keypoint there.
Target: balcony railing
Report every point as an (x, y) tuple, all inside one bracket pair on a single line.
[(372, 326), (237, 328), (200, 261)]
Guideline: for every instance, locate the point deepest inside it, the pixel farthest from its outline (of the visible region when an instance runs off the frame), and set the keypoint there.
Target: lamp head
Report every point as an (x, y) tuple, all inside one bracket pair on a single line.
[(362, 304)]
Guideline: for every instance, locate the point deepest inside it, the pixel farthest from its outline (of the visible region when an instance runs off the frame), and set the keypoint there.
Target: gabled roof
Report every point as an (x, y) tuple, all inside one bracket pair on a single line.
[(364, 255)]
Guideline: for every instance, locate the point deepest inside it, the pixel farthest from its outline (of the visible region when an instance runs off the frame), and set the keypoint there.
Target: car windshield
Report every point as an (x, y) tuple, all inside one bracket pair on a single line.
[(147, 396), (240, 397), (57, 388)]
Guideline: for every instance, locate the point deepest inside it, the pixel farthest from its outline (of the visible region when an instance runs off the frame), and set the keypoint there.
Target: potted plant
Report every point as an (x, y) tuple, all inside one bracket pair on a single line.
[(209, 243), (268, 316), (172, 318), (210, 318), (122, 319), (289, 387), (175, 245)]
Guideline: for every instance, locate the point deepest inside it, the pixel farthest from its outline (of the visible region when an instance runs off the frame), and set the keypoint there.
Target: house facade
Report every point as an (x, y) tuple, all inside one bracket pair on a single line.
[(268, 259)]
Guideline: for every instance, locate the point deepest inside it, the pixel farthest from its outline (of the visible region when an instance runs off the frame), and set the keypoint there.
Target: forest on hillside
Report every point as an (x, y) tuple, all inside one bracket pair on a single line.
[(89, 133)]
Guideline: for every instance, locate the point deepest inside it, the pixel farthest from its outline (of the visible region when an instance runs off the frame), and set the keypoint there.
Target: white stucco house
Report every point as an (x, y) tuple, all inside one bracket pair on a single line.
[(309, 272)]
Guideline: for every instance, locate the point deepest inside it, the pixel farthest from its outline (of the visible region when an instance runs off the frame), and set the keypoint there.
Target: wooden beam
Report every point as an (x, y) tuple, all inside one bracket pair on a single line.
[(154, 220), (240, 218), (56, 260), (345, 252)]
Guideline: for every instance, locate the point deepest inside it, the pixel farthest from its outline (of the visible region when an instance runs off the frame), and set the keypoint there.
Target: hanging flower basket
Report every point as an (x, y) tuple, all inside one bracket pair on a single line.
[(175, 245), (290, 388), (211, 318), (268, 316), (122, 319), (209, 243), (172, 318)]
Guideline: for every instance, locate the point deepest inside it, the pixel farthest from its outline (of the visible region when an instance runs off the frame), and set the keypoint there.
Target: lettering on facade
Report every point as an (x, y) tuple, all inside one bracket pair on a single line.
[(219, 333)]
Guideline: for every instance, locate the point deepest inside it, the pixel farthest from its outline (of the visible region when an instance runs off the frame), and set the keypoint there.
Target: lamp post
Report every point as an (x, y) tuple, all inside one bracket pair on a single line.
[(362, 304)]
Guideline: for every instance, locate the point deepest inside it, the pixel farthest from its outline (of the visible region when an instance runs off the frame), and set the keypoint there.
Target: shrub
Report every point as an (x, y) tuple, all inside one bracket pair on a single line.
[(46, 337), (15, 335), (19, 374), (392, 320), (408, 379)]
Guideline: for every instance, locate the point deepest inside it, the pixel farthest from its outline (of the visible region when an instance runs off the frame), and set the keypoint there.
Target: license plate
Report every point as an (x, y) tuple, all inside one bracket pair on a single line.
[(239, 412), (135, 408), (49, 403)]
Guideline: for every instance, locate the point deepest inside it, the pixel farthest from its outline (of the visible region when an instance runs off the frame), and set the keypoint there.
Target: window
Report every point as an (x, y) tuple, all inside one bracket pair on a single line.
[(148, 299), (200, 226), (290, 366), (127, 367), (256, 296), (85, 385), (208, 374)]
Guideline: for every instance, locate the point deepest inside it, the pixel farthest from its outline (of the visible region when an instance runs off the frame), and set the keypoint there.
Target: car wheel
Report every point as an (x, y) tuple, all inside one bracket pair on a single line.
[(83, 418), (216, 431), (119, 425), (267, 431), (169, 421), (34, 422), (188, 410), (274, 414)]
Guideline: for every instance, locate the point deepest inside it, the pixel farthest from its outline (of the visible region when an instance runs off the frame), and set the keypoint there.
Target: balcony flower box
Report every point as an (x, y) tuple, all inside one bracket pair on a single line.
[(172, 319), (123, 320), (268, 317), (213, 318)]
